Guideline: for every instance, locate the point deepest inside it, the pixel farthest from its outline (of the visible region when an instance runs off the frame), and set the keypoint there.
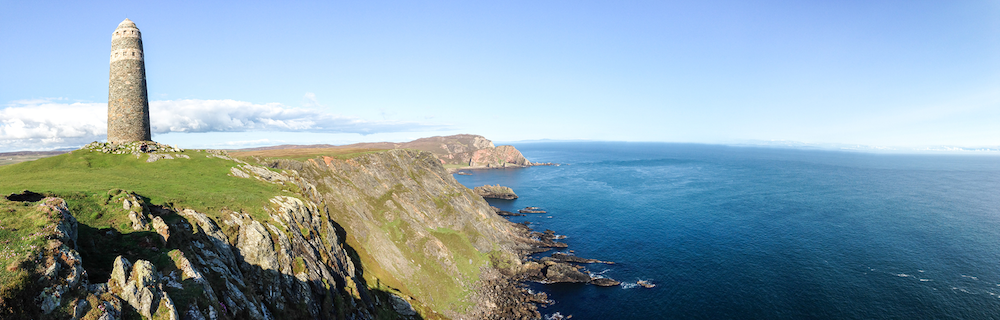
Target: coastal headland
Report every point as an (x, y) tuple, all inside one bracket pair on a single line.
[(150, 230), (455, 152)]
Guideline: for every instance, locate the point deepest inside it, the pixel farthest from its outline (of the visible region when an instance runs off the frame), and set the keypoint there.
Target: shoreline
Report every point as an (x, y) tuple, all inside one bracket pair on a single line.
[(505, 166)]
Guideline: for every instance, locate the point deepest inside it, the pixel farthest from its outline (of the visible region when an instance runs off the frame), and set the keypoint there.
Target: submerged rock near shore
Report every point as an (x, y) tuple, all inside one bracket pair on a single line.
[(532, 210), (506, 213)]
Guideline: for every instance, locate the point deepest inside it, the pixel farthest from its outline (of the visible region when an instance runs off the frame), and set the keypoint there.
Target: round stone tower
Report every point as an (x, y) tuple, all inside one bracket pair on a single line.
[(128, 107)]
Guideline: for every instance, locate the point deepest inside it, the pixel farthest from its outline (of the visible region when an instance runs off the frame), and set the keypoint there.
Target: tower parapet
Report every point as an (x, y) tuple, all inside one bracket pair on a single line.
[(128, 105)]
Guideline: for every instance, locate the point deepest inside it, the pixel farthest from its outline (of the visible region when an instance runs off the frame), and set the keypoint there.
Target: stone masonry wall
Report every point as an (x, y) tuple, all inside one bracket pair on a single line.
[(128, 105)]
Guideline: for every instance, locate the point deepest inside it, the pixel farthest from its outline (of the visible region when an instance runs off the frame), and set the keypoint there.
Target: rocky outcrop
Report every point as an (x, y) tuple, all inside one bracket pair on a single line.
[(140, 286), (531, 210), (563, 257), (290, 265), (495, 192), (136, 208), (62, 282), (560, 267), (135, 148), (605, 282)]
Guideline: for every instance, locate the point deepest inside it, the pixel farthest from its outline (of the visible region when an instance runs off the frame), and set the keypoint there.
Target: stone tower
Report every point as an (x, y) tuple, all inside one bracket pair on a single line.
[(128, 107)]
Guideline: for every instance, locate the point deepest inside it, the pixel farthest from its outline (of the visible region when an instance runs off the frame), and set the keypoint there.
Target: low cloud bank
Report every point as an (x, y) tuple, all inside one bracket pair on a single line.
[(48, 124), (51, 123)]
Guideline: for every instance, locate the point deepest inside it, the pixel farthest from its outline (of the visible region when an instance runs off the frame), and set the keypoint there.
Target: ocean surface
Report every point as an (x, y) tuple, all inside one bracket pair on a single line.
[(739, 232)]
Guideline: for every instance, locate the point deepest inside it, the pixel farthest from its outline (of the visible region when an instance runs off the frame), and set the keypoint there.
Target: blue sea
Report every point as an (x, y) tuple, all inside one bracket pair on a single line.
[(761, 233)]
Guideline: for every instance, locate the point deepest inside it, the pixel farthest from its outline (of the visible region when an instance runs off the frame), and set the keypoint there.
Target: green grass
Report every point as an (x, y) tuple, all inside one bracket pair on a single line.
[(200, 183), (298, 266), (23, 232)]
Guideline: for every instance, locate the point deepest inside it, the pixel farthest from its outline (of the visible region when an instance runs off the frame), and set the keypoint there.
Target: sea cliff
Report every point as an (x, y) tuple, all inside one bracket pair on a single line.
[(191, 234)]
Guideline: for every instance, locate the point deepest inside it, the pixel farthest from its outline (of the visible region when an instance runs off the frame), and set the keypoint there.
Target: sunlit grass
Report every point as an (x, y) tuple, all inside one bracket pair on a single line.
[(23, 232), (201, 183)]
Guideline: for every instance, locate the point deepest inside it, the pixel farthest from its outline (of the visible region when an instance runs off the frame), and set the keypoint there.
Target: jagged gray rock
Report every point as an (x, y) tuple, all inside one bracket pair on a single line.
[(401, 306), (64, 280), (161, 229), (140, 287)]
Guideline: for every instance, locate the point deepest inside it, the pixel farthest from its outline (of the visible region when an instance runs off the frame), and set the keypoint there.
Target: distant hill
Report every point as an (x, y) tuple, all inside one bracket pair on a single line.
[(21, 156), (462, 150)]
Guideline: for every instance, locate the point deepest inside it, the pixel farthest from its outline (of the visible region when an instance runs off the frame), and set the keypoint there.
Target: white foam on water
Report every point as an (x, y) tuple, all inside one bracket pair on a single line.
[(961, 289), (921, 271), (970, 277), (554, 316), (629, 285), (925, 280), (903, 275)]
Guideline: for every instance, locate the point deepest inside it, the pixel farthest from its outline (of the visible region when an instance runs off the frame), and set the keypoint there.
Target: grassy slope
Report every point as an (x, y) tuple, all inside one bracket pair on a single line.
[(200, 183)]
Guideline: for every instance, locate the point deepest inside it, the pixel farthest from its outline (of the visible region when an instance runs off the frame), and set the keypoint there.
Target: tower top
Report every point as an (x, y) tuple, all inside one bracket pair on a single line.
[(126, 23)]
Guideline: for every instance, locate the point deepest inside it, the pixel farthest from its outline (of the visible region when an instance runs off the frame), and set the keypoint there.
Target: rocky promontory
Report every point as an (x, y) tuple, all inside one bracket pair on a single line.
[(495, 192), (456, 152)]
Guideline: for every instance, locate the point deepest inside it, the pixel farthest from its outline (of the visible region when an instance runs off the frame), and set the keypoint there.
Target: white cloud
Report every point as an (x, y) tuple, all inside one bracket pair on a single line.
[(310, 100), (45, 124), (235, 116)]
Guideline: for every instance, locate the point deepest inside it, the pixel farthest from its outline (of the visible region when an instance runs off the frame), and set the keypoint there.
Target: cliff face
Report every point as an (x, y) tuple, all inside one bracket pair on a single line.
[(422, 234), (384, 235)]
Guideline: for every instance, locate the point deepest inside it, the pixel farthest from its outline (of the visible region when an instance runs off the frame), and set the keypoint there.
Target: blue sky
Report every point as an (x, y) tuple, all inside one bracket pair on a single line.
[(877, 73)]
